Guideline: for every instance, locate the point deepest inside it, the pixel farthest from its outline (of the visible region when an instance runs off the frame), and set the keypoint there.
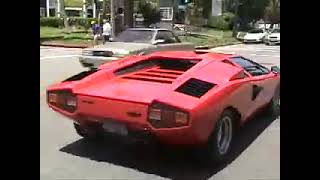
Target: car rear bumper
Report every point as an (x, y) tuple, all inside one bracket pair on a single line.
[(252, 41), (95, 61), (143, 131), (272, 41)]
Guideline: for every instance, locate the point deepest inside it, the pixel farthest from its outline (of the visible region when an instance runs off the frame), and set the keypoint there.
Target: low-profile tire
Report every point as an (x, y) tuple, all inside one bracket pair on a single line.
[(87, 132), (219, 143)]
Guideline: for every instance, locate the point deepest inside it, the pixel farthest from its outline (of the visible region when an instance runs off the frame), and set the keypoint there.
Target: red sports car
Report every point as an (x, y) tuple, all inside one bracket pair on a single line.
[(174, 97)]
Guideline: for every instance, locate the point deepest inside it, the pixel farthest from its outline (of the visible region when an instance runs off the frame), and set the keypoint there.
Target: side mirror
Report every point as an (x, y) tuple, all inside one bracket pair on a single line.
[(158, 41), (275, 69)]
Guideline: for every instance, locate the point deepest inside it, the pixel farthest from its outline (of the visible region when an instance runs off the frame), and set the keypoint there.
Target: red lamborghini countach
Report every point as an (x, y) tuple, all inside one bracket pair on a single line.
[(174, 97)]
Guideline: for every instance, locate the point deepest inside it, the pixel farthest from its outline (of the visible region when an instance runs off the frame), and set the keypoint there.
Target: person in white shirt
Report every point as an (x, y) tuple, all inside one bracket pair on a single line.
[(106, 31)]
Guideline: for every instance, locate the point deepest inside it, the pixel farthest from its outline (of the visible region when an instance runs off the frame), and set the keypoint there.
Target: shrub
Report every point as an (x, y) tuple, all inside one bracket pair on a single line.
[(73, 21), (51, 21), (223, 22), (82, 22)]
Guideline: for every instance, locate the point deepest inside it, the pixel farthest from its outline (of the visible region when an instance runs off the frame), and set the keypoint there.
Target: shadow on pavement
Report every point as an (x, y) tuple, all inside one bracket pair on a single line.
[(176, 165)]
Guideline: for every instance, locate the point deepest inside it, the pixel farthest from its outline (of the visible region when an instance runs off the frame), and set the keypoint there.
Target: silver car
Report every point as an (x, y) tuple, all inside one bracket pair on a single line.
[(137, 41)]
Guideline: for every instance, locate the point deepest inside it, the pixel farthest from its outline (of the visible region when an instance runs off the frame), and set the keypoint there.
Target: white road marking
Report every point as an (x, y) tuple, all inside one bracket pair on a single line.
[(55, 57), (265, 55)]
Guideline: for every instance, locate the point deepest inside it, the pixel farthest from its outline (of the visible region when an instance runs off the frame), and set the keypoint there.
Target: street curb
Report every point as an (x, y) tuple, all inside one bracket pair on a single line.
[(209, 47), (66, 45), (52, 38)]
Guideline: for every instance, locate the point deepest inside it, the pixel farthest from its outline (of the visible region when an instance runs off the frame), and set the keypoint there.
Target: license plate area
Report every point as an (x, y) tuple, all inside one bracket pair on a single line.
[(115, 128)]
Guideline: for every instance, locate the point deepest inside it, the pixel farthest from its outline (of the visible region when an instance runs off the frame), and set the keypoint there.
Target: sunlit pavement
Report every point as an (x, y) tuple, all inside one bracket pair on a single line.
[(64, 155)]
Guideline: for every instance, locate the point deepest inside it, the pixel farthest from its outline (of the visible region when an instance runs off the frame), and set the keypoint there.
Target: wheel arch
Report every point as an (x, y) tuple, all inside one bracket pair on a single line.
[(236, 113)]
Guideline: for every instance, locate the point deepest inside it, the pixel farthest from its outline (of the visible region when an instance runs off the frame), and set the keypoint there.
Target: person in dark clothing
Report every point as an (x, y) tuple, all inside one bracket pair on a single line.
[(96, 31)]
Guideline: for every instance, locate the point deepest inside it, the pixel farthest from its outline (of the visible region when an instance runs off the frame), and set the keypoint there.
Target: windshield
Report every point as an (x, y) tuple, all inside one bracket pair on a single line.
[(276, 31), (256, 31), (138, 36)]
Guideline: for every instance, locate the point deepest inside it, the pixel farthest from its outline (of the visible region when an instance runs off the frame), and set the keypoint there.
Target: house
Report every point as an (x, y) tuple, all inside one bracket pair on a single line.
[(167, 6), (77, 8), (42, 8)]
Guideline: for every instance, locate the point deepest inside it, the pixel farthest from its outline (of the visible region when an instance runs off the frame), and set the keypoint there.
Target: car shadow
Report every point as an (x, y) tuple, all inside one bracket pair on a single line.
[(173, 164)]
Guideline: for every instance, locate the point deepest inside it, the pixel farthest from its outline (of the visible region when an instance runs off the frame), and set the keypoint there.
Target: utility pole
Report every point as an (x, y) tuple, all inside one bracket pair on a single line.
[(94, 9), (112, 16), (48, 7), (174, 10), (84, 8), (236, 19), (104, 9), (59, 8)]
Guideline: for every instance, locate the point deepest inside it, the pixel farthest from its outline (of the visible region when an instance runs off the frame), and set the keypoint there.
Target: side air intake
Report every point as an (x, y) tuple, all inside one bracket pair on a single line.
[(195, 87), (81, 75)]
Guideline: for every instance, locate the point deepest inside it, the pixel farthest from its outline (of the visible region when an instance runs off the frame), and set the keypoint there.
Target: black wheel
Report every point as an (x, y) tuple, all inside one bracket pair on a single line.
[(87, 132), (273, 107), (219, 143)]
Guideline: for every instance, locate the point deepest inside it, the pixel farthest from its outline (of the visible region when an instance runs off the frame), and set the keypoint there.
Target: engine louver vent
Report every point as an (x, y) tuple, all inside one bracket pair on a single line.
[(195, 87)]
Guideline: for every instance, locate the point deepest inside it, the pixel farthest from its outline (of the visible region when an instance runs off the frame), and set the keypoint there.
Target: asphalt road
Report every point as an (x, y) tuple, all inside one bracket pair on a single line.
[(64, 155)]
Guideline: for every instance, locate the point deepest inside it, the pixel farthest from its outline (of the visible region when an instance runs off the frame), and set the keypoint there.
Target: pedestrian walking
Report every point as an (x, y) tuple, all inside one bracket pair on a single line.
[(106, 32), (96, 31)]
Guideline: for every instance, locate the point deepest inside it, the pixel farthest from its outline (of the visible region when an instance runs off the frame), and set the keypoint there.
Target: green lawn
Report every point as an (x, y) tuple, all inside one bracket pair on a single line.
[(77, 36), (207, 36), (210, 37), (47, 32)]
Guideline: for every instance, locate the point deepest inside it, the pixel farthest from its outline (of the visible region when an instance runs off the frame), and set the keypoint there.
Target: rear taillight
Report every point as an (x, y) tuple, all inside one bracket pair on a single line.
[(52, 98), (64, 100), (71, 101), (165, 116), (155, 114)]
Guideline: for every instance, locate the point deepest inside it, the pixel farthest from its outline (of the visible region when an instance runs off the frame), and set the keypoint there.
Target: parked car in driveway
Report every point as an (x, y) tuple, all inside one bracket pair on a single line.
[(195, 99), (136, 41), (273, 37), (255, 36)]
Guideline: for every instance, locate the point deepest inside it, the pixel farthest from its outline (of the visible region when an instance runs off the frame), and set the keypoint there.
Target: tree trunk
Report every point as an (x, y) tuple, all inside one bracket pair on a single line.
[(63, 14), (128, 13), (104, 9)]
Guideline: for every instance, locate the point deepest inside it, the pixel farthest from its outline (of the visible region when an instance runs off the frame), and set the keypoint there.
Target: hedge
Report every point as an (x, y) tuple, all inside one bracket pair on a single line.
[(223, 22), (73, 21), (51, 21)]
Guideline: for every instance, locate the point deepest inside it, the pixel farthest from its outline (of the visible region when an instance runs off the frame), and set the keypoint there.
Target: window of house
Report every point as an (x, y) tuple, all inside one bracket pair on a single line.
[(166, 13), (42, 12)]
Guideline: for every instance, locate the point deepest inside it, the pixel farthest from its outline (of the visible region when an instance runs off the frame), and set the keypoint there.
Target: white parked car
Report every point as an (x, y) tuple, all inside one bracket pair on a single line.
[(133, 41), (273, 37), (255, 36)]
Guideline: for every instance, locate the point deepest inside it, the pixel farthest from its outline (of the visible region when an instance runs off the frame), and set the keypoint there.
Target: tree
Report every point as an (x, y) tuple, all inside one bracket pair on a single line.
[(206, 6), (63, 13), (272, 12), (150, 13), (250, 11)]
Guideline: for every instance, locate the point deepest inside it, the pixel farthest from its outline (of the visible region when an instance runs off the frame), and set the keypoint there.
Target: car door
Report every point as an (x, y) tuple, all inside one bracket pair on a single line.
[(171, 42), (261, 83)]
